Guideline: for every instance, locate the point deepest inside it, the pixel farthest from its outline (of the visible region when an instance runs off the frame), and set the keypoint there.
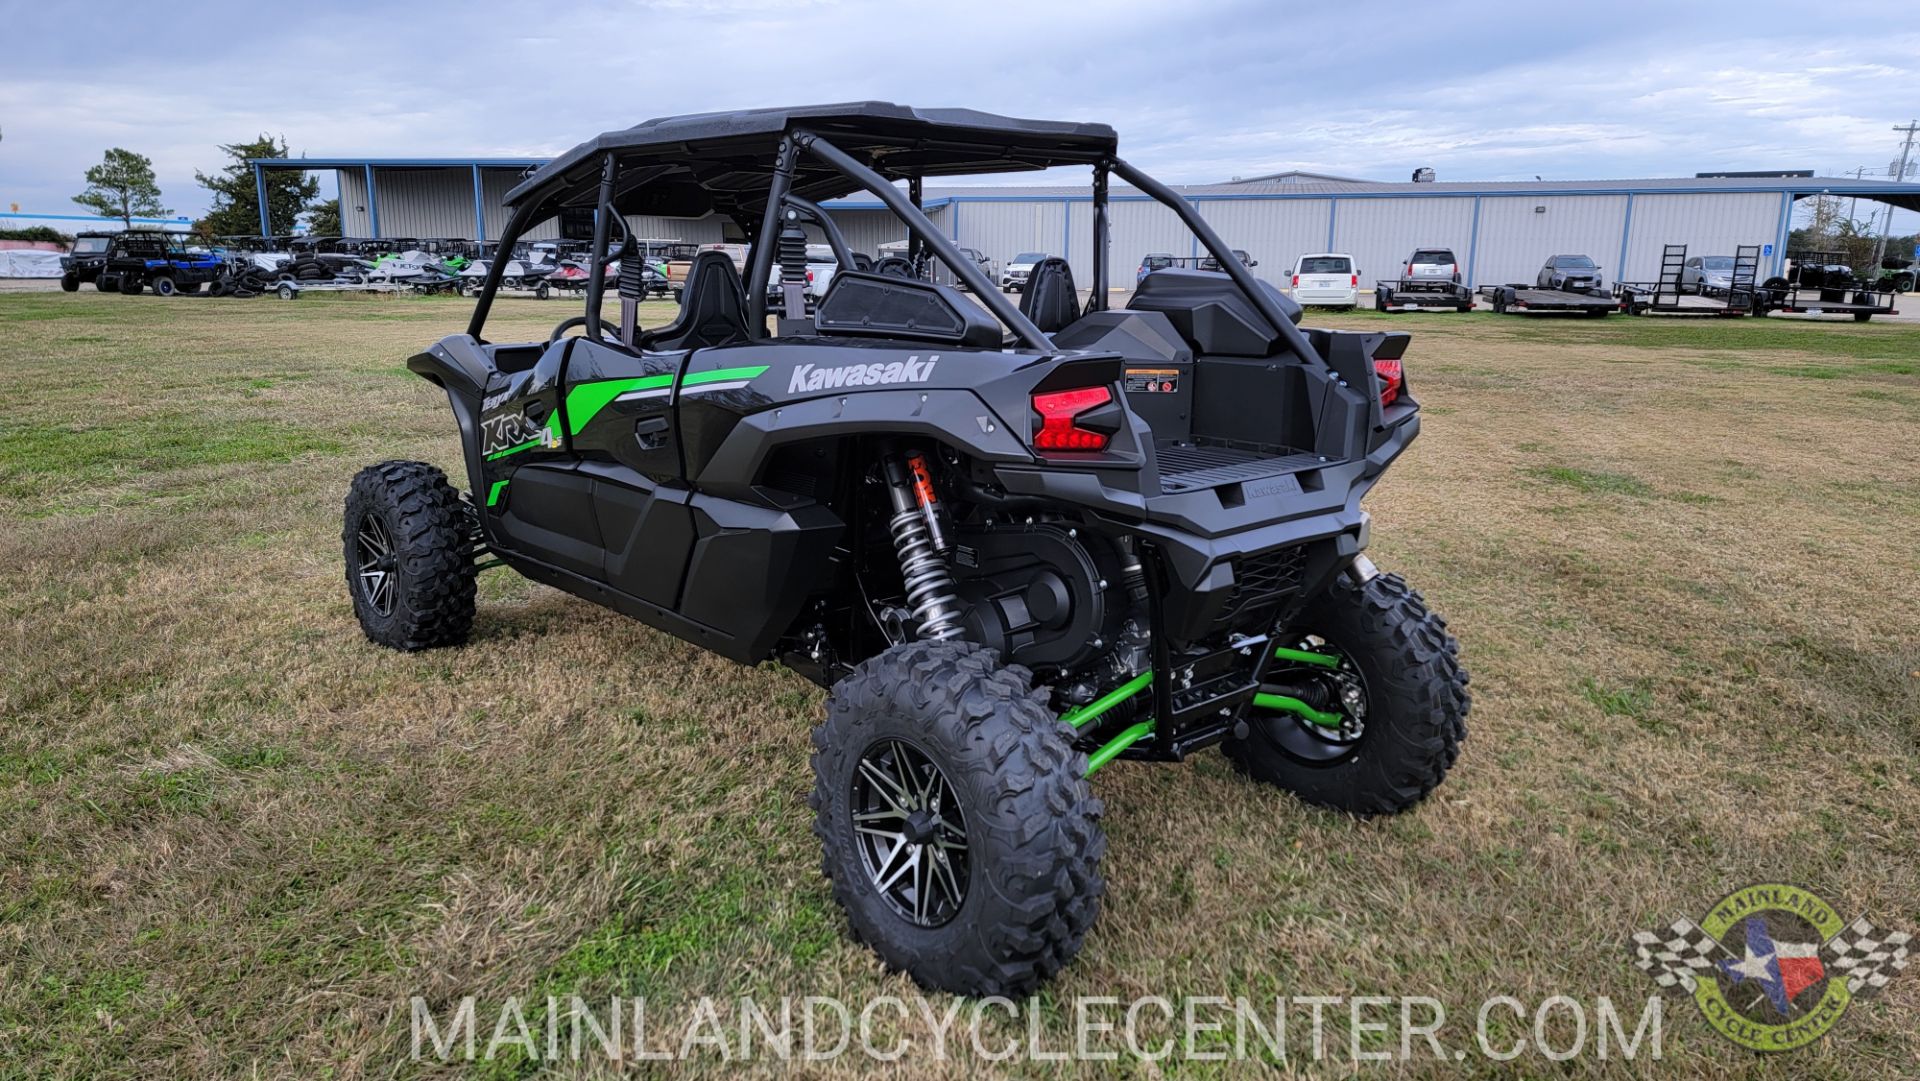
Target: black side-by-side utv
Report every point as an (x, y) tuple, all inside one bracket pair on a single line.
[(1015, 543)]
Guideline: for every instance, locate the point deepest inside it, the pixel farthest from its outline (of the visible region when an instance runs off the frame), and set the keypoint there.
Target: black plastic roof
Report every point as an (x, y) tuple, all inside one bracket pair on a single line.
[(685, 166)]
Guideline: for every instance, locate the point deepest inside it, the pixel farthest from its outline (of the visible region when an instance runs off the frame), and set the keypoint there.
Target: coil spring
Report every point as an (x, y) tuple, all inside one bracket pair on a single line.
[(930, 594)]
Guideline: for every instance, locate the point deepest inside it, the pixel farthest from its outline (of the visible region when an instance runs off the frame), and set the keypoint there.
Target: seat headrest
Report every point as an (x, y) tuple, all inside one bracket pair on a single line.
[(1050, 299)]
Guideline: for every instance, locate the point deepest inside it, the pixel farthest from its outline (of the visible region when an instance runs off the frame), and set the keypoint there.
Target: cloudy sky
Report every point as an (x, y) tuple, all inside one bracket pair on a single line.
[(1200, 91)]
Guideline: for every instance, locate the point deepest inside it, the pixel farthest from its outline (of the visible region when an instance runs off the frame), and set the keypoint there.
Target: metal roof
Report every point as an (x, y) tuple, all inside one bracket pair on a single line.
[(1900, 194)]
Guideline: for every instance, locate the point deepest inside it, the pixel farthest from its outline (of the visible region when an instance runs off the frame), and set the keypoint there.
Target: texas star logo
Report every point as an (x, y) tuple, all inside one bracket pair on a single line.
[(1772, 967), (806, 377)]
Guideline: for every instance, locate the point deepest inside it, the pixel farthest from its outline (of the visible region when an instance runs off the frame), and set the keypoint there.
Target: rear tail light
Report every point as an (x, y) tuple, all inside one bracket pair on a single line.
[(1354, 279), (1296, 281), (809, 275), (1057, 411), (1389, 373)]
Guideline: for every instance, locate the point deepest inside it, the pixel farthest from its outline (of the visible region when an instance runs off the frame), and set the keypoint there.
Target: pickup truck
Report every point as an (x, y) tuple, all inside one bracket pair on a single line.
[(821, 265)]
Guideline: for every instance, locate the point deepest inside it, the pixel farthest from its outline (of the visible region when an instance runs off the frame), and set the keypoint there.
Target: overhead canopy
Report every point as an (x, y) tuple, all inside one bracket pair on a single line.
[(687, 166)]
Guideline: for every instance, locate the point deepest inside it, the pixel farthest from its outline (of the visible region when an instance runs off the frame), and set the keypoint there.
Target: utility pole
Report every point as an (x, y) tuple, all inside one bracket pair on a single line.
[(1853, 204), (1899, 174)]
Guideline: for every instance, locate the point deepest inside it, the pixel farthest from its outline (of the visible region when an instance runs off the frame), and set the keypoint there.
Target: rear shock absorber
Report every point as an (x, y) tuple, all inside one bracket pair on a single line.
[(930, 590)]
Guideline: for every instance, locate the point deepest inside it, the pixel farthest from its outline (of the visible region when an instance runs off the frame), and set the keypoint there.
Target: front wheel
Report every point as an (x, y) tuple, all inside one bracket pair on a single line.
[(958, 829), (69, 283), (131, 286), (1386, 702), (409, 556), (163, 286)]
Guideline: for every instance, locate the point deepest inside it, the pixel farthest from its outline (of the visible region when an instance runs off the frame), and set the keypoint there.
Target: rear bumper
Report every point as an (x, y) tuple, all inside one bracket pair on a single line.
[(1339, 297)]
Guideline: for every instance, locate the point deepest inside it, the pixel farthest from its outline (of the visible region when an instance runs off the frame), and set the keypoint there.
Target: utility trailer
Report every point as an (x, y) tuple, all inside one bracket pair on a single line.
[(1393, 296), (292, 290), (1526, 298), (1663, 295), (1863, 303)]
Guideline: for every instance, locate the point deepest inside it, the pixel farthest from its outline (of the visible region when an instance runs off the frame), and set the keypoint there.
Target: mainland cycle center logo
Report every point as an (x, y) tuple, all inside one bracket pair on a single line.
[(1772, 967)]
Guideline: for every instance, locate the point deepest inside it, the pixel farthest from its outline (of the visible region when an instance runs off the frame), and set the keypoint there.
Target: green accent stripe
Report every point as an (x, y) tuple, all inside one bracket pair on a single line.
[(1296, 707), (493, 493), (586, 400), (1081, 715), (1117, 744), (720, 375), (514, 450), (1301, 656)]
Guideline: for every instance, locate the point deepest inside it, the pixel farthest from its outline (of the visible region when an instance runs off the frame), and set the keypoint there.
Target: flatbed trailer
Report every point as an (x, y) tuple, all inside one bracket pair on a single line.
[(1527, 298), (1863, 305), (1663, 296), (1391, 296)]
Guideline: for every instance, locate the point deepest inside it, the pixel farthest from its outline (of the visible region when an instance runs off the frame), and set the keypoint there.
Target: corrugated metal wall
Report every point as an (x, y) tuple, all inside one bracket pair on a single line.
[(1515, 240), (866, 230), (1510, 243), (1381, 233), (1006, 229), (1274, 231), (1707, 224)]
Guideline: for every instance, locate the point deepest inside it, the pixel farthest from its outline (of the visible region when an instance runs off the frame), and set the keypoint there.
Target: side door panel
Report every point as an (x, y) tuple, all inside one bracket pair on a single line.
[(618, 416), (535, 502)]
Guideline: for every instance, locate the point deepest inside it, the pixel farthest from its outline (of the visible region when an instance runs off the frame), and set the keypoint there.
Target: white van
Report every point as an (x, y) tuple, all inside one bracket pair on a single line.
[(1327, 279)]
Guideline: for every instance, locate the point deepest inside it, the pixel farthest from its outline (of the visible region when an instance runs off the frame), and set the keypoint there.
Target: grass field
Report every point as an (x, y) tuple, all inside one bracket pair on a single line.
[(236, 839)]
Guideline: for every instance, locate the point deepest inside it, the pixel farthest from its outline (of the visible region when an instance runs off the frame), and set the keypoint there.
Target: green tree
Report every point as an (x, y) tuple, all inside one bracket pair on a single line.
[(122, 186), (236, 202), (323, 218)]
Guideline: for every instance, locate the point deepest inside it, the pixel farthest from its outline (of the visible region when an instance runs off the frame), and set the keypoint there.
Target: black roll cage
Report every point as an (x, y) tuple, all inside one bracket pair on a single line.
[(922, 233)]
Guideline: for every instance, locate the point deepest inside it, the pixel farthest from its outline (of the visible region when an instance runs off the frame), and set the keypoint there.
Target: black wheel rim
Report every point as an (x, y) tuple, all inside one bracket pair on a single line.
[(1315, 743), (912, 837), (374, 564)]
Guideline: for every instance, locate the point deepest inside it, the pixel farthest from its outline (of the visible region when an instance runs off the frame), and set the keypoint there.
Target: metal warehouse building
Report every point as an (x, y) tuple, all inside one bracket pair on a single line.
[(1500, 230)]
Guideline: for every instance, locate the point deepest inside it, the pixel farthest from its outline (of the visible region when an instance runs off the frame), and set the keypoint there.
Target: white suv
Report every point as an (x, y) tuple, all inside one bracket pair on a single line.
[(1327, 279), (1014, 280)]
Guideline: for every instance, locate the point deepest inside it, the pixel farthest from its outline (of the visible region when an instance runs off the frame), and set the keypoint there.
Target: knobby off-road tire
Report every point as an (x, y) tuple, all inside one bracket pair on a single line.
[(406, 524), (1416, 705), (69, 283), (1029, 819)]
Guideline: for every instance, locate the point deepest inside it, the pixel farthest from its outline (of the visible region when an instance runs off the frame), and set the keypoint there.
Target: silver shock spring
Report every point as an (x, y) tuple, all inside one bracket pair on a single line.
[(930, 591)]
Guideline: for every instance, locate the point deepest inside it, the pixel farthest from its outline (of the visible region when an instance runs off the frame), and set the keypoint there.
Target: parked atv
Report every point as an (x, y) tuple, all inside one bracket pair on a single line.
[(84, 263), (169, 263), (1014, 543)]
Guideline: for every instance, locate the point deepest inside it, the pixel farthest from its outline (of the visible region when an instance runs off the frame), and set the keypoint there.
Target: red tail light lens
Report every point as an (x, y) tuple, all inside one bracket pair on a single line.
[(1389, 373), (1057, 410), (1355, 281), (1296, 281)]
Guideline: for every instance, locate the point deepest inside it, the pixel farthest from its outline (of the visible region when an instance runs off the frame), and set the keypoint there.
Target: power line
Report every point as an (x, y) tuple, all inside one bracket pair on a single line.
[(1899, 172)]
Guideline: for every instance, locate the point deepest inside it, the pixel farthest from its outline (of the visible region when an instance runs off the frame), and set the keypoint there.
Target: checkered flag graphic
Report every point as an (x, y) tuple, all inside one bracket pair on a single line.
[(1677, 956), (1866, 955)]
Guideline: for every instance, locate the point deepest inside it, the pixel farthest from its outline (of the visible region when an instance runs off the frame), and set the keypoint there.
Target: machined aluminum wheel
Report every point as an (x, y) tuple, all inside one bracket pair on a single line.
[(911, 832), (376, 565)]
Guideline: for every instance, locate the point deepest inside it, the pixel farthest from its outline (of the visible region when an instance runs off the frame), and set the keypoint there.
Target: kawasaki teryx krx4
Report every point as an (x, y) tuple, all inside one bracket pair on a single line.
[(1014, 543)]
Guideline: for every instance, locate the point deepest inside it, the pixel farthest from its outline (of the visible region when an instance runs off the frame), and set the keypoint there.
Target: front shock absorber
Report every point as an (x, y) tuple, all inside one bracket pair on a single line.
[(930, 590)]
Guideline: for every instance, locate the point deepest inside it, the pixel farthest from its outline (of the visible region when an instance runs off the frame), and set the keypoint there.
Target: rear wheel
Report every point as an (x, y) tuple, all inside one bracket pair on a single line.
[(130, 286), (958, 829), (409, 557), (1389, 712)]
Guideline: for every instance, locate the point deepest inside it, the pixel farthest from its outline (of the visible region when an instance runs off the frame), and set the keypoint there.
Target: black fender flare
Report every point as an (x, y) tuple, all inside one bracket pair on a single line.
[(954, 417)]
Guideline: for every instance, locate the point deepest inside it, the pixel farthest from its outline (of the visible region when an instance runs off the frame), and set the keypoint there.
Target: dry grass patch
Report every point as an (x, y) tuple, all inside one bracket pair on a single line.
[(235, 838)]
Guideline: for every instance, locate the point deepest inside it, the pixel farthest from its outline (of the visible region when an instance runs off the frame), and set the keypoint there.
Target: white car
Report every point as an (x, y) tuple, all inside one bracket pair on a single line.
[(1326, 279), (1014, 278)]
